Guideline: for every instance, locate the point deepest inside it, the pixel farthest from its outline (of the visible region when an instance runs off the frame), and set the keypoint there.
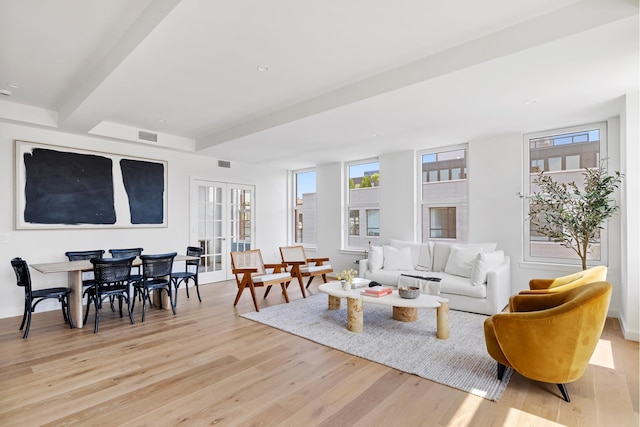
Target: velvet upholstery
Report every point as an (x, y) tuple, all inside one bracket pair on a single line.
[(559, 284), (550, 337)]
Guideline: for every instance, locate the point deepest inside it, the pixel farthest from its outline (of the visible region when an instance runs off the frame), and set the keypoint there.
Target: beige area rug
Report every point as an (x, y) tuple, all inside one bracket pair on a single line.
[(461, 361)]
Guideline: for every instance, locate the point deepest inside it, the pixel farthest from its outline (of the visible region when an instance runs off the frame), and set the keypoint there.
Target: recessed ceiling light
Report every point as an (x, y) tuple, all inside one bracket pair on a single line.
[(530, 102), (263, 67), (162, 120), (13, 85), (374, 135), (5, 92)]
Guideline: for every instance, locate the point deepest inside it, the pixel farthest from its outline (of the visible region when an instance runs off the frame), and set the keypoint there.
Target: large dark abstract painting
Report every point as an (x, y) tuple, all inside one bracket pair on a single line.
[(60, 187)]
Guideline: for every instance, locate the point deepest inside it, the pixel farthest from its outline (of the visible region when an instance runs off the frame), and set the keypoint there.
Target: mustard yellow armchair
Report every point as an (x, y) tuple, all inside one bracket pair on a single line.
[(551, 337), (559, 284)]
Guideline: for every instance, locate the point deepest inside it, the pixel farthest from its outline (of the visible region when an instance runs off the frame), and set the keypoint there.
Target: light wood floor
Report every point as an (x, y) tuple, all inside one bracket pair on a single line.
[(208, 366)]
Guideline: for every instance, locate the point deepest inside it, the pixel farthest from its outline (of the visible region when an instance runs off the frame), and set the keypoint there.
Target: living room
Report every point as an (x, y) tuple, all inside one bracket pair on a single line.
[(496, 171)]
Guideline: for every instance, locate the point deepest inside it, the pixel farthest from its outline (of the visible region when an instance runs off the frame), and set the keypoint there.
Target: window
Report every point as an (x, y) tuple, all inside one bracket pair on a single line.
[(443, 197), (363, 203), (563, 154), (304, 209)]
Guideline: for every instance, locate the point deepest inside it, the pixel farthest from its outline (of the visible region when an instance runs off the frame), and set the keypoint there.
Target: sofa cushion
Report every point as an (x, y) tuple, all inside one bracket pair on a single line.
[(461, 286), (485, 262), (442, 250), (420, 253), (397, 259), (376, 258), (461, 260)]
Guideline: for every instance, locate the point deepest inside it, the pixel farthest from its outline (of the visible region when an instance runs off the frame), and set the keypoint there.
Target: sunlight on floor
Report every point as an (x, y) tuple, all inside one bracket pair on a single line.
[(603, 355), (466, 411), (516, 417)]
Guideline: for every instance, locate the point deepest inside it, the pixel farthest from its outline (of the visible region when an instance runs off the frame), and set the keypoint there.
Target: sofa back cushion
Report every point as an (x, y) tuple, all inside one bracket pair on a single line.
[(376, 258), (420, 253), (485, 262), (397, 259), (442, 251)]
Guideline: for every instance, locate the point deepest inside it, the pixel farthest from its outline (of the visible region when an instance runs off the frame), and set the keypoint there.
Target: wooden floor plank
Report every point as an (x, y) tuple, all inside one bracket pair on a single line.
[(208, 366)]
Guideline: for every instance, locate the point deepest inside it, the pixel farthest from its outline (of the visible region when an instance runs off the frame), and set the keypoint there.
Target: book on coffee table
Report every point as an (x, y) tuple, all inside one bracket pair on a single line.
[(376, 291)]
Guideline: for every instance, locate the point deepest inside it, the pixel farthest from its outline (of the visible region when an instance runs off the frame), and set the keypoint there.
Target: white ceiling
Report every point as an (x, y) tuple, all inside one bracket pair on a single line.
[(347, 79)]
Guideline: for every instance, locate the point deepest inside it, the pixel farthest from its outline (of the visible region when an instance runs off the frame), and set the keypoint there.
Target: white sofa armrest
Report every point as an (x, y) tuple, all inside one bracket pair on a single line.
[(363, 266), (499, 286)]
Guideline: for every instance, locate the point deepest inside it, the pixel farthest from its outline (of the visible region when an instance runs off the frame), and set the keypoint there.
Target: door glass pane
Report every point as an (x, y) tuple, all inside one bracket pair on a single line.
[(209, 226), (240, 219)]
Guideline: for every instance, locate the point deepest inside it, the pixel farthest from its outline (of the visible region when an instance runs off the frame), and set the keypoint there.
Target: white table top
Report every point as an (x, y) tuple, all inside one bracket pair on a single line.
[(423, 301)]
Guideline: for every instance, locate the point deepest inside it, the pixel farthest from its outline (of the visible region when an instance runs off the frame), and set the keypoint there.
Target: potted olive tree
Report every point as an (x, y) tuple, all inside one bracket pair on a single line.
[(570, 215)]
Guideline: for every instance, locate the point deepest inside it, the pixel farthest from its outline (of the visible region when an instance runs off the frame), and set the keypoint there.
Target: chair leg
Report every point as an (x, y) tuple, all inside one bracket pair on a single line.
[(26, 330), (565, 393), (284, 291), (27, 304), (501, 369), (195, 280), (267, 291), (68, 308), (173, 307), (97, 318), (252, 289), (309, 282)]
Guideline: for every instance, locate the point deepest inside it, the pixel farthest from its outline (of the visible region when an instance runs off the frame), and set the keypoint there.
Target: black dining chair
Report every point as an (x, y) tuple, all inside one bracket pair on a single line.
[(111, 280), (33, 297), (190, 273), (156, 276), (136, 275), (87, 278)]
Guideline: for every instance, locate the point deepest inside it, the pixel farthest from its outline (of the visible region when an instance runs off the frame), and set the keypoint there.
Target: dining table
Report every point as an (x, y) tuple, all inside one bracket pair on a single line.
[(74, 270)]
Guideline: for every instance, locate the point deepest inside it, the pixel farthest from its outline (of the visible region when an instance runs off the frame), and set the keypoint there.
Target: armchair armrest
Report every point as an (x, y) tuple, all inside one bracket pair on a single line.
[(318, 261), (499, 286), (277, 268), (244, 270), (536, 302), (539, 284)]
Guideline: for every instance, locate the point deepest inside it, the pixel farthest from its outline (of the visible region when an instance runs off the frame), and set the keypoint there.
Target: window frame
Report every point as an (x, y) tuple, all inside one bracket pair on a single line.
[(462, 215), (363, 208), (526, 184), (308, 209)]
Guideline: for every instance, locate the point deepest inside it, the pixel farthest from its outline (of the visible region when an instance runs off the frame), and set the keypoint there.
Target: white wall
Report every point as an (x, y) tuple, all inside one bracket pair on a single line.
[(37, 246)]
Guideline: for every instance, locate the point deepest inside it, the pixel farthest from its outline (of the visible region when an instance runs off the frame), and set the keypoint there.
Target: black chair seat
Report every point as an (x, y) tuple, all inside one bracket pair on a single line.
[(51, 292)]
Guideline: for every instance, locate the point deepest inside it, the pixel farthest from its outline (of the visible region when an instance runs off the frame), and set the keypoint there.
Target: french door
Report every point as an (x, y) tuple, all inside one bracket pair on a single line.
[(222, 221)]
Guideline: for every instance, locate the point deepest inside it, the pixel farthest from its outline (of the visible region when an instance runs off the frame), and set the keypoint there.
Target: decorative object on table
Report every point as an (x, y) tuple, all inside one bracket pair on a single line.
[(572, 216), (410, 347), (409, 292), (377, 291), (345, 285), (347, 275)]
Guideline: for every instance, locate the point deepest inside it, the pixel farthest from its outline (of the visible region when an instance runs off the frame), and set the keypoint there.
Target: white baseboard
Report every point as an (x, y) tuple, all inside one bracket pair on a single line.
[(626, 333)]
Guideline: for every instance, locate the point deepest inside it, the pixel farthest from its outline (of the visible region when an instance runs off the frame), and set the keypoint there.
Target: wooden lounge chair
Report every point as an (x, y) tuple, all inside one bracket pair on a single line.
[(251, 272)]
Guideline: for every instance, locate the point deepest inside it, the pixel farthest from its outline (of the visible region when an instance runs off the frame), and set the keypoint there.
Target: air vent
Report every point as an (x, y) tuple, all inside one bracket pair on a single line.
[(148, 136), (224, 164)]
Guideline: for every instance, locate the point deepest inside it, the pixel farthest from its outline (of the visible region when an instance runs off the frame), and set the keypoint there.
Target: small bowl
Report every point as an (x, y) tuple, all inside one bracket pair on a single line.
[(410, 292)]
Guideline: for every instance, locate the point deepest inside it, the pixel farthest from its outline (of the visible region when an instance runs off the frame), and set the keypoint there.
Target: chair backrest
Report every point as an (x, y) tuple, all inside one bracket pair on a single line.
[(111, 270), (84, 255), (157, 265), (194, 251), (248, 259), (125, 253), (293, 254), (23, 276)]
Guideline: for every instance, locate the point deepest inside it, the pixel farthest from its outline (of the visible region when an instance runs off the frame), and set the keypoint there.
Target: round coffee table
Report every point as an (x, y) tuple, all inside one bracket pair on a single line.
[(404, 310)]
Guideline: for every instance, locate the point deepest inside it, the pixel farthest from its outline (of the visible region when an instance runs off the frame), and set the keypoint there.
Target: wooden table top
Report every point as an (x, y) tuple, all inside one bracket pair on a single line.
[(85, 265)]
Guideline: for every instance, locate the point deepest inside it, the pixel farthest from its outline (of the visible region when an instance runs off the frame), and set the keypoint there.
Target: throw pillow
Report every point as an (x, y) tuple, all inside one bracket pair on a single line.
[(397, 259), (441, 251), (424, 259), (375, 258), (485, 262), (461, 260)]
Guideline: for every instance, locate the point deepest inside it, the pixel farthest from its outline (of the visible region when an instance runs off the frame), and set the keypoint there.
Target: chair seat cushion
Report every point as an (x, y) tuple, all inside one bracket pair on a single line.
[(315, 268), (271, 277), (37, 293), (183, 274), (154, 283)]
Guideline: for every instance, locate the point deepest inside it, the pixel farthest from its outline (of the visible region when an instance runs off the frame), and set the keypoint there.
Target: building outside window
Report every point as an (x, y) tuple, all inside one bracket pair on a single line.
[(443, 194), (304, 209), (563, 154), (363, 203)]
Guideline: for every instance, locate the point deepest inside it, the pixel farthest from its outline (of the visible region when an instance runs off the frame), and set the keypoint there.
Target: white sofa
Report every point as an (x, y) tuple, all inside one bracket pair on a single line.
[(474, 277)]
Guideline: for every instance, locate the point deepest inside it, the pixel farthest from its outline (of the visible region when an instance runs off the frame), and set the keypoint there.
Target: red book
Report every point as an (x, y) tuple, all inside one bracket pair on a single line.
[(377, 291)]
